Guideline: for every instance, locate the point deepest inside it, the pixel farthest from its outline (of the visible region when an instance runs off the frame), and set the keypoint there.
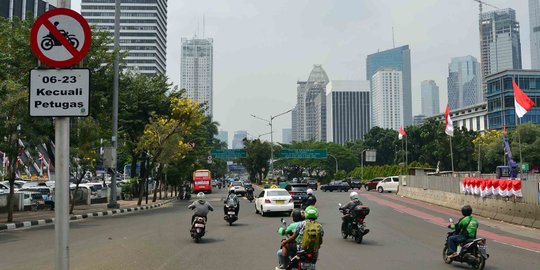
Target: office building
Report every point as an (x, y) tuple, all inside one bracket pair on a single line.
[(500, 97), (464, 82), (472, 118), (238, 139), (223, 136), (310, 110), (348, 111), (534, 21), (387, 93), (500, 43), (398, 58), (430, 97), (286, 135), (294, 122), (197, 70), (143, 31), (24, 8), (418, 119)]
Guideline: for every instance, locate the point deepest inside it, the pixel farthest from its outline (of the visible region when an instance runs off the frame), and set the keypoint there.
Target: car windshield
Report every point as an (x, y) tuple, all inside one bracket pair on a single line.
[(236, 184), (272, 193), (298, 189)]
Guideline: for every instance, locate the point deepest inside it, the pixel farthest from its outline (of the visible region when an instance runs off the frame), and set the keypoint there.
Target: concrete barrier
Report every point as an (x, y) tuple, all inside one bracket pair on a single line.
[(494, 208)]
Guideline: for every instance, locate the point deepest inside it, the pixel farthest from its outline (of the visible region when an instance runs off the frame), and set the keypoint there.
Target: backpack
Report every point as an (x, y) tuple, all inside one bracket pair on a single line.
[(311, 239)]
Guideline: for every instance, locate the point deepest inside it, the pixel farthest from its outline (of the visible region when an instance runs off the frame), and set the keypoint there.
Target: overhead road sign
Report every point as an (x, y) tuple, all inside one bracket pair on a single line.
[(303, 153), (59, 92), (60, 37), (228, 153)]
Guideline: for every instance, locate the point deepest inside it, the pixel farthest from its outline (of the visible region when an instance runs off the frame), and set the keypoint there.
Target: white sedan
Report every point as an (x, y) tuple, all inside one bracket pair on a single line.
[(274, 200)]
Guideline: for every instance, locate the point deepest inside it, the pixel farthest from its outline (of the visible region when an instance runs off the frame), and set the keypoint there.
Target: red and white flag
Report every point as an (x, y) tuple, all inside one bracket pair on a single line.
[(449, 125), (522, 102), (401, 133)]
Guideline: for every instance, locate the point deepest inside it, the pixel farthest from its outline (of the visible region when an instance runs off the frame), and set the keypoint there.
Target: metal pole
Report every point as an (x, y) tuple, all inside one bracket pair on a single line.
[(113, 203), (451, 154), (271, 148), (362, 163)]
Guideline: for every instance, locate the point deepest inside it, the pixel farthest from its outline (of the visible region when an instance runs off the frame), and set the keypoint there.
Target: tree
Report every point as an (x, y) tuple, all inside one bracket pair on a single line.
[(256, 161)]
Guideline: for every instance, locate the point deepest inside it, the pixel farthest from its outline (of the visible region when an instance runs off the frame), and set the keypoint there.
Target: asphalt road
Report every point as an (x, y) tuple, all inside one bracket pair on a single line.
[(405, 234)]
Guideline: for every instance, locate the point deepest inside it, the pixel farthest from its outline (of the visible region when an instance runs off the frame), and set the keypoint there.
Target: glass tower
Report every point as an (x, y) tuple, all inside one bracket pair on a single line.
[(197, 70), (534, 20), (464, 84)]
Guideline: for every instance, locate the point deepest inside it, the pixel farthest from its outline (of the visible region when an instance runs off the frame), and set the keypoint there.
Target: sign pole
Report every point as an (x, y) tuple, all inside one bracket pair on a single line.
[(113, 202), (61, 209)]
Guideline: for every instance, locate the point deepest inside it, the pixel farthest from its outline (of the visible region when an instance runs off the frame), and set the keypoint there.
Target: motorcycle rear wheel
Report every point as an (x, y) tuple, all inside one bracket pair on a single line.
[(481, 263), (445, 257), (344, 235), (358, 238)]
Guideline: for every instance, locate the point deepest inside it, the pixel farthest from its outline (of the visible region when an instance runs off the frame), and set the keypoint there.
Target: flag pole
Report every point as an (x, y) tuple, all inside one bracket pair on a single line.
[(406, 154), (451, 154), (519, 142)]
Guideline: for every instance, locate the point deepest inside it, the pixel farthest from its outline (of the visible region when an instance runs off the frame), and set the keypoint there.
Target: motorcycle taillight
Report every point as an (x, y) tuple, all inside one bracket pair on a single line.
[(360, 219), (309, 255), (482, 242)]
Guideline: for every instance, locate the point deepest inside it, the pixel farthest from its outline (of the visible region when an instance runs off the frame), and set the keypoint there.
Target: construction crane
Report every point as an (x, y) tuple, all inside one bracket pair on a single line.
[(482, 67)]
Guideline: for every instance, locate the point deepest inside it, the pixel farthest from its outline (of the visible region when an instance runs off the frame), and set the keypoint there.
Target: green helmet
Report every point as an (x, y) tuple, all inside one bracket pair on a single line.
[(311, 212)]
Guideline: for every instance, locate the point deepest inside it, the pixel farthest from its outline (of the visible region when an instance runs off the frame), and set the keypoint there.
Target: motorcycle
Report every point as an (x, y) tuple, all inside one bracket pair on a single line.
[(354, 220), (249, 195), (198, 228), (231, 214), (184, 195), (473, 251), (301, 260), (219, 185), (49, 41)]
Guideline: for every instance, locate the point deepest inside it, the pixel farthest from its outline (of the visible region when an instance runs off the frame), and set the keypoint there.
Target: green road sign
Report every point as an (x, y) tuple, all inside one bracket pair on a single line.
[(228, 153), (525, 167), (303, 153)]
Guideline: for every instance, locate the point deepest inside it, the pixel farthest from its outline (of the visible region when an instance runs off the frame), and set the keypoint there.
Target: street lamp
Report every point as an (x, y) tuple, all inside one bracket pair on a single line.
[(362, 160), (271, 136), (337, 168)]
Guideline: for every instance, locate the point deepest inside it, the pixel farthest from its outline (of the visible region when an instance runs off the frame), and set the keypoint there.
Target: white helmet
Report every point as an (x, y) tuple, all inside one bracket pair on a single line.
[(201, 196), (309, 191), (353, 196)]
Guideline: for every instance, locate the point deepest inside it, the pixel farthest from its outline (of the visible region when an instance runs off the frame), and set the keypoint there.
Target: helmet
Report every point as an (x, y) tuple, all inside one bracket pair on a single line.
[(466, 210), (297, 215), (311, 212), (231, 191), (200, 196), (309, 191), (353, 196)]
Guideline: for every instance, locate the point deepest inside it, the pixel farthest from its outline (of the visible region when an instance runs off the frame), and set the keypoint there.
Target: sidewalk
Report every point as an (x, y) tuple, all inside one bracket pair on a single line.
[(46, 216)]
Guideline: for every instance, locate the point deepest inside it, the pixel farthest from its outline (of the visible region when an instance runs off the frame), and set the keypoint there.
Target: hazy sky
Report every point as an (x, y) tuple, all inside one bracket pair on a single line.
[(261, 48)]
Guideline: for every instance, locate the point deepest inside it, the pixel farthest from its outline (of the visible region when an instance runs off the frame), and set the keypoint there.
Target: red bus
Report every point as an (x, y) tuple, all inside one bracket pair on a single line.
[(202, 181)]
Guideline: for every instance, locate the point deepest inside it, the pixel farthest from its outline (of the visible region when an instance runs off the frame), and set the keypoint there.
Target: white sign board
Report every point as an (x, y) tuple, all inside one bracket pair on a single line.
[(59, 92), (371, 155)]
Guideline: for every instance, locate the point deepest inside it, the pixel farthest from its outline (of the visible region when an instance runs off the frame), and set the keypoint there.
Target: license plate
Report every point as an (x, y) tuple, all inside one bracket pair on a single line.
[(280, 202), (483, 250), (307, 266), (199, 225), (231, 212)]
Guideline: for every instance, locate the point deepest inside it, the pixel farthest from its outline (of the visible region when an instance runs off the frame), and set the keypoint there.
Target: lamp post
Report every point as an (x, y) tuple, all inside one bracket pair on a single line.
[(362, 160), (271, 137), (337, 168)]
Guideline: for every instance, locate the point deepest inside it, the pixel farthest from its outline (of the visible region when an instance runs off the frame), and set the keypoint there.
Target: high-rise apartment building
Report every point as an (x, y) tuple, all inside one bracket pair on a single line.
[(197, 70), (500, 43), (464, 82), (23, 8), (430, 98), (143, 30), (348, 111), (238, 139), (534, 21), (286, 135), (398, 58), (309, 115), (387, 93)]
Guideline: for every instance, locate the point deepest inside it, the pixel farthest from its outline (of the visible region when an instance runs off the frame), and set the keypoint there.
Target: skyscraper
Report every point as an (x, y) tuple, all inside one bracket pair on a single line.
[(21, 8), (197, 67), (387, 93), (464, 84), (501, 45), (430, 98), (286, 135), (143, 30), (223, 136), (238, 139), (534, 20), (348, 112), (310, 110), (398, 58)]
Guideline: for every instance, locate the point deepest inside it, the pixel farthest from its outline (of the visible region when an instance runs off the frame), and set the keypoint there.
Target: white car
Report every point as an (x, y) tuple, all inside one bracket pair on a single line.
[(238, 188), (390, 183), (274, 200)]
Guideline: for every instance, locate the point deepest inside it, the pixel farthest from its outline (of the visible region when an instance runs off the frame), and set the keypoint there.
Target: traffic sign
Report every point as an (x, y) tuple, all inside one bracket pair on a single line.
[(59, 92), (228, 153), (303, 153), (60, 37), (209, 159)]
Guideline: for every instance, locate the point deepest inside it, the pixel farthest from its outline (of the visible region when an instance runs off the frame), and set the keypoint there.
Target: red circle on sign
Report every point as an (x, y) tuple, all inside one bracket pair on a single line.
[(77, 55)]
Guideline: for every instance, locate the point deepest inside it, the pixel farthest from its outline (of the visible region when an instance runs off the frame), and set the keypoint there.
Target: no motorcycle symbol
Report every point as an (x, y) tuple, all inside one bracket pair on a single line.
[(60, 37)]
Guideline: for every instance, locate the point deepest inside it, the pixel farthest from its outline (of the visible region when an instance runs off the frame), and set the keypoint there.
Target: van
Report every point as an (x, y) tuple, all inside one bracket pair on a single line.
[(389, 184), (31, 200)]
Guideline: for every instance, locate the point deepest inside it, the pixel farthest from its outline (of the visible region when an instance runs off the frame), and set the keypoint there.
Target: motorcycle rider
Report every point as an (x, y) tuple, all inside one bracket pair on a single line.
[(231, 200), (310, 200), (201, 207), (465, 228), (297, 216), (311, 215), (355, 201)]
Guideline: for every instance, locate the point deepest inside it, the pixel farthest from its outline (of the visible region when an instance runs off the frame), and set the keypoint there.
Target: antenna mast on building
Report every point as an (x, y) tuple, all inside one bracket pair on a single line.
[(203, 28), (393, 42)]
